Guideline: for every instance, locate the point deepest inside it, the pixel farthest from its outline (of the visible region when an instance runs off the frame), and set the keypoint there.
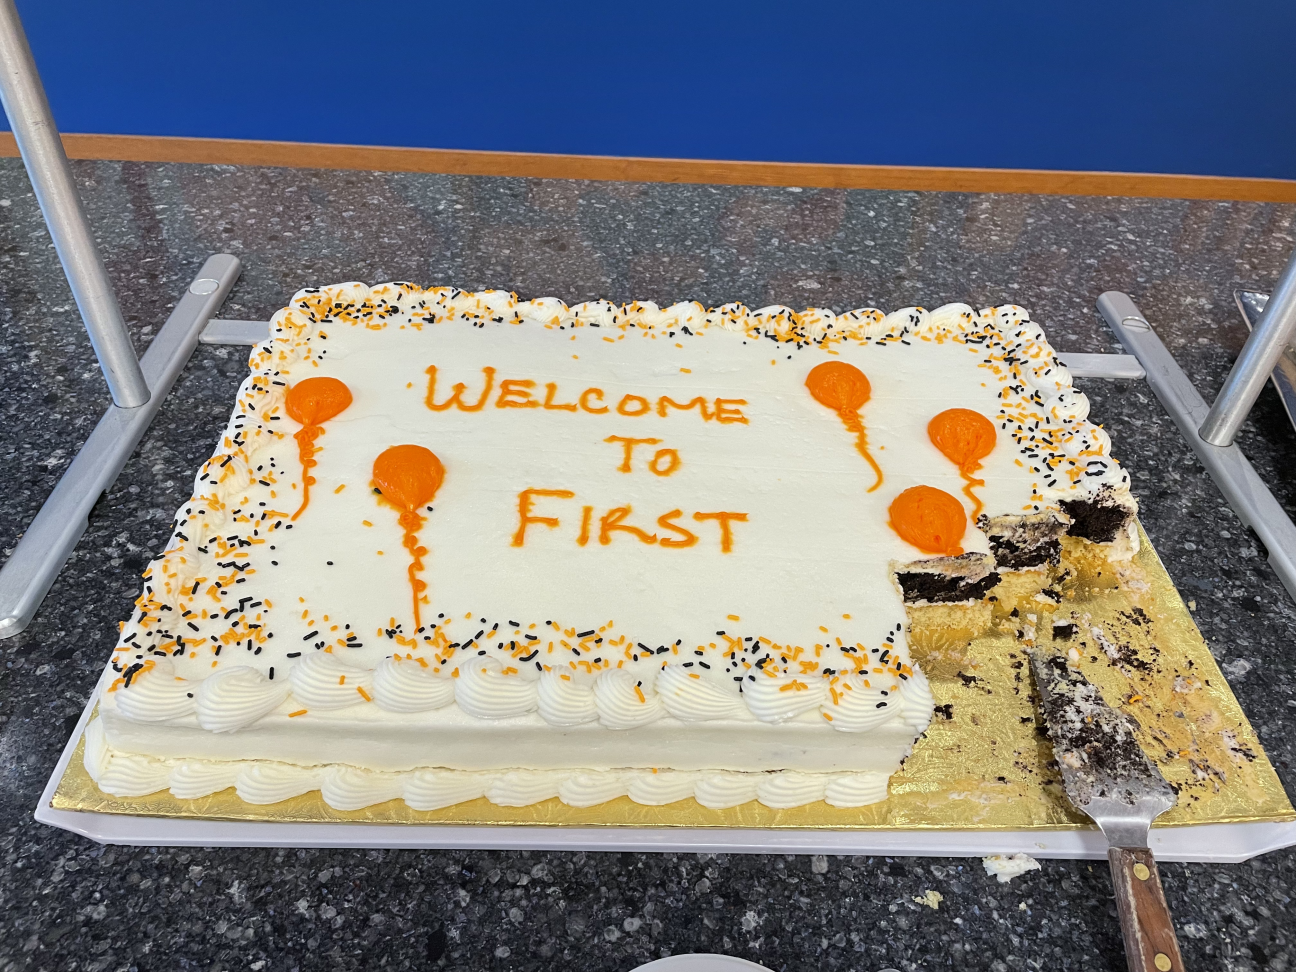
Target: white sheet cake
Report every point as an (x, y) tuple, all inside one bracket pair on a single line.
[(457, 544)]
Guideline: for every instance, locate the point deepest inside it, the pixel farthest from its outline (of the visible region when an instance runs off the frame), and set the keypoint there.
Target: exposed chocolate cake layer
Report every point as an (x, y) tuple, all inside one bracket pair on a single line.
[(1097, 518), (1022, 542), (947, 580)]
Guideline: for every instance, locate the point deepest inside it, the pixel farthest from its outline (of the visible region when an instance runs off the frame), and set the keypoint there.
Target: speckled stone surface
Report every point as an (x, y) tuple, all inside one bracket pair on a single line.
[(68, 904)]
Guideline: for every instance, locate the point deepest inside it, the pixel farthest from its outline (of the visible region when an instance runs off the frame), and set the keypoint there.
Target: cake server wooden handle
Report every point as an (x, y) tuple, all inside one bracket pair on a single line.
[(1150, 943)]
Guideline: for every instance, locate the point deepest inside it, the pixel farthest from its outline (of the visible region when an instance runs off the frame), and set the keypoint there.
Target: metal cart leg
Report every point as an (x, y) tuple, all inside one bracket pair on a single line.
[(137, 390), (1272, 333), (1237, 480), (24, 101)]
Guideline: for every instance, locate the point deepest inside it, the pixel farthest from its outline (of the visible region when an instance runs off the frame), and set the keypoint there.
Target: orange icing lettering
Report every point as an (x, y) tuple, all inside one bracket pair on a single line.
[(583, 537), (312, 402), (408, 476), (664, 402), (524, 511), (930, 519), (628, 445), (843, 388), (666, 522), (728, 416), (551, 389), (641, 408), (516, 393), (664, 462), (457, 390), (613, 520), (964, 437), (724, 519), (585, 397)]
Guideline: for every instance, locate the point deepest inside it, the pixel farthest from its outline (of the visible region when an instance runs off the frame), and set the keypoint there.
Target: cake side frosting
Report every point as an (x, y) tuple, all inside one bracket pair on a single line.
[(834, 671)]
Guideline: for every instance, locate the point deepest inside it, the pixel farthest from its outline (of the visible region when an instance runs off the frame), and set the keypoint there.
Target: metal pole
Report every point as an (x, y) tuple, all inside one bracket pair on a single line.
[(1245, 491), (1259, 355), (24, 102)]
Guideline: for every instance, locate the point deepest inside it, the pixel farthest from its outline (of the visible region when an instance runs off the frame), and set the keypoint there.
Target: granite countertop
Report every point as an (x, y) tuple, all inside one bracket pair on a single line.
[(68, 904)]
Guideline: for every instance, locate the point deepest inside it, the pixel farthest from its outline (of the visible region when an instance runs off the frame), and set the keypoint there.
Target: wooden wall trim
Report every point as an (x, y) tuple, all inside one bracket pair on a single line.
[(306, 155)]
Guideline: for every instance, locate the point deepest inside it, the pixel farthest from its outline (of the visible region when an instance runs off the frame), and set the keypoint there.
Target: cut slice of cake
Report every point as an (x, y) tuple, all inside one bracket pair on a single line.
[(457, 545)]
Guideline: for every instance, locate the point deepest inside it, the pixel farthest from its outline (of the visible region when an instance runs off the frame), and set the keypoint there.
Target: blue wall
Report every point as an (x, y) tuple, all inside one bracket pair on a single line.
[(1188, 86)]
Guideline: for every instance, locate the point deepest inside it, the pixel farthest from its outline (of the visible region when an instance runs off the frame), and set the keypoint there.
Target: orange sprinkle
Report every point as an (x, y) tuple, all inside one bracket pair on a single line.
[(293, 715), (363, 694), (639, 692), (340, 488)]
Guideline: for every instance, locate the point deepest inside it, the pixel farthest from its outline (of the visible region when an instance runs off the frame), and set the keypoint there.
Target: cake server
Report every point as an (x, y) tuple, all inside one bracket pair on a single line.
[(1107, 775)]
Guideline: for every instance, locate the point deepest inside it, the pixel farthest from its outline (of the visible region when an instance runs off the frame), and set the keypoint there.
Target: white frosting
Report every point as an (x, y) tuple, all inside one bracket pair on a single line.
[(193, 778), (856, 790), (434, 789), (95, 755), (718, 791), (523, 788), (691, 698), (300, 633), (126, 775), (857, 704), (262, 783), (778, 698), (486, 691), (916, 702), (657, 789), (407, 685), (783, 791), (323, 681), (566, 699), (232, 698), (349, 788), (623, 702), (591, 789), (159, 696)]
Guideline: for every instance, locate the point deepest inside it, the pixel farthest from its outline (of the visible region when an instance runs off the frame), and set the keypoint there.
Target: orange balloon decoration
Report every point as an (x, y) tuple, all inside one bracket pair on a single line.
[(844, 388), (312, 402), (930, 519), (408, 477), (964, 437)]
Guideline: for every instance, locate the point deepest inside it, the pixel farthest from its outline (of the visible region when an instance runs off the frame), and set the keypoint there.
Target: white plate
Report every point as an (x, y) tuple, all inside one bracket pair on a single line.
[(701, 962)]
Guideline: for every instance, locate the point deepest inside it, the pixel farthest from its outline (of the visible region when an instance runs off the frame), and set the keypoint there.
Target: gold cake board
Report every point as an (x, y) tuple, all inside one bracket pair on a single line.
[(981, 768)]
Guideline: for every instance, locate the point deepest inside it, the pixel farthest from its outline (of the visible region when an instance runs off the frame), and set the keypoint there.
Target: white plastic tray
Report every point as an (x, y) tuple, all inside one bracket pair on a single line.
[(1215, 843)]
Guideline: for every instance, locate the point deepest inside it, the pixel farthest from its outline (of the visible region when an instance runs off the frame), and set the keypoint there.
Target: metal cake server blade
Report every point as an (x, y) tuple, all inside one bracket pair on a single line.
[(1107, 775)]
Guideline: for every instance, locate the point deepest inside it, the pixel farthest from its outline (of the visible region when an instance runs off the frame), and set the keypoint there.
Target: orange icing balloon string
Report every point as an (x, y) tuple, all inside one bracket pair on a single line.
[(408, 477), (853, 424), (844, 388), (930, 519), (312, 402), (977, 505), (306, 437), (411, 523), (964, 437)]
